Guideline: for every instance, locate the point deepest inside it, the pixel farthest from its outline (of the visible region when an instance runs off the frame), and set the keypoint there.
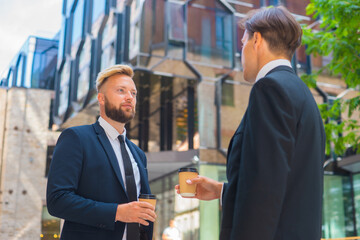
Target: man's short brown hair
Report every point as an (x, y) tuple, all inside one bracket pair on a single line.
[(113, 70), (277, 26)]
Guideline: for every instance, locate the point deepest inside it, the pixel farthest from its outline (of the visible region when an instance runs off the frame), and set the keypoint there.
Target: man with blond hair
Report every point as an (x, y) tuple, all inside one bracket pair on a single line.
[(97, 174)]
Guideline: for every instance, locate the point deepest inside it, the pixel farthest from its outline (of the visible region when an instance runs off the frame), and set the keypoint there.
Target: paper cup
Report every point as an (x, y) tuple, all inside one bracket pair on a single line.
[(187, 190), (150, 198)]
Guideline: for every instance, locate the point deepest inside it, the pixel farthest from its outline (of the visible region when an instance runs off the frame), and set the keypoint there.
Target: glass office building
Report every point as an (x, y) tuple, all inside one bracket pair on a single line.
[(34, 66), (192, 96)]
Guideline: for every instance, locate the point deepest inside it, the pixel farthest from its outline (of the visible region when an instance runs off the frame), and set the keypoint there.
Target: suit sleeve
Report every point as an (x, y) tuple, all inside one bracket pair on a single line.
[(63, 178), (268, 143)]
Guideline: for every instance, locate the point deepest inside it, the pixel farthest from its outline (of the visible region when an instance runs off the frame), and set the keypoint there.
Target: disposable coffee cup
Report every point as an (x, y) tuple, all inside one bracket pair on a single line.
[(150, 198), (187, 190)]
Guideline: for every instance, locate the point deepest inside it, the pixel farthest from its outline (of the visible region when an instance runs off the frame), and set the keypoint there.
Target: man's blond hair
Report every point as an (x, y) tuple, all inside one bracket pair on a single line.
[(110, 71)]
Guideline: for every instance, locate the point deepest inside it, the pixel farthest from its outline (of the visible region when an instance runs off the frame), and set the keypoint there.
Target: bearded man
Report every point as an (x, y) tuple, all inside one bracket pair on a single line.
[(97, 174)]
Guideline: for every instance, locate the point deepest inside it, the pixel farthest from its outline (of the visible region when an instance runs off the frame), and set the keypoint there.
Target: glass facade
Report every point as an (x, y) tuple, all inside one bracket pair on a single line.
[(135, 21), (108, 56), (62, 39), (44, 64), (35, 64), (356, 186), (98, 9), (166, 116), (210, 34), (99, 12), (338, 206), (176, 16), (20, 65), (78, 22), (69, 6), (10, 77), (64, 89), (84, 71), (152, 30)]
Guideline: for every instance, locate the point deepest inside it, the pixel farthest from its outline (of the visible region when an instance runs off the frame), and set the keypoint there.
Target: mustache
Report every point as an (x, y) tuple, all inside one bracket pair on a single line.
[(128, 104), (122, 104)]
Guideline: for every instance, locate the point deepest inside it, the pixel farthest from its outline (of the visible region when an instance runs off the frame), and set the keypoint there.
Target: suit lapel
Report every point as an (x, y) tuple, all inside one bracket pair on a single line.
[(143, 174), (104, 141)]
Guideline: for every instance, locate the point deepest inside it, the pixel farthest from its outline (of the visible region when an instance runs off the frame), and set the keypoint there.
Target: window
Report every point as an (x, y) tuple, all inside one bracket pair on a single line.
[(176, 21), (166, 116), (337, 207), (61, 52), (98, 9), (44, 64), (19, 70), (270, 2), (210, 34), (69, 4), (84, 70), (273, 2), (108, 43), (78, 22), (356, 184), (227, 94), (10, 77), (64, 88), (152, 39), (108, 56), (134, 38)]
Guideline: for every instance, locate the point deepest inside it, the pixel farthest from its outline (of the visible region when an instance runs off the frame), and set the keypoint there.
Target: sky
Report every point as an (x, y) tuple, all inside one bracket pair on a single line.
[(21, 18)]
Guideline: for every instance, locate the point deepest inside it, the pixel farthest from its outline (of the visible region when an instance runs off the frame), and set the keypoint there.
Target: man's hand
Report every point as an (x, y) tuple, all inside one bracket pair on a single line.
[(136, 212), (206, 188)]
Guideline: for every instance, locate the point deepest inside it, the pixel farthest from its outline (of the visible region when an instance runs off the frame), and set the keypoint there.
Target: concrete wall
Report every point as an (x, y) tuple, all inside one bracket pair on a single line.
[(25, 140), (3, 96)]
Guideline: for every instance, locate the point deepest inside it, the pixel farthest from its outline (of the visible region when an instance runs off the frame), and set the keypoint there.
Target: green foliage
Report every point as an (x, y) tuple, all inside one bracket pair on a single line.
[(339, 35)]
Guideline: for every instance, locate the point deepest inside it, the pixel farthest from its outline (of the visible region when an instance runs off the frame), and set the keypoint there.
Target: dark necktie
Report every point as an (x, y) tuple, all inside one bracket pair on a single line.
[(132, 228)]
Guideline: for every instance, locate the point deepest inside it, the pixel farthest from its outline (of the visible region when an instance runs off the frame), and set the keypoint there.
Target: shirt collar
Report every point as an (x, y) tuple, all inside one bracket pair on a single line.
[(270, 66), (110, 130)]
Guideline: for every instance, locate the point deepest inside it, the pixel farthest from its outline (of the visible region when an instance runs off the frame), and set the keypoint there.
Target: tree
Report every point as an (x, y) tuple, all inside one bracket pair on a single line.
[(339, 35)]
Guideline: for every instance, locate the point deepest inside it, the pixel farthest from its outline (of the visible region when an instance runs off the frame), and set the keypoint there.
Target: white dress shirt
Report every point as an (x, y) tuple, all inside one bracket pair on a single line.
[(270, 66), (112, 135)]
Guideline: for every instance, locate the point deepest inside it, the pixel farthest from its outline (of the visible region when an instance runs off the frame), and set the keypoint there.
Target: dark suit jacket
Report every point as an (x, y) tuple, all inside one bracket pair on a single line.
[(85, 184), (274, 164)]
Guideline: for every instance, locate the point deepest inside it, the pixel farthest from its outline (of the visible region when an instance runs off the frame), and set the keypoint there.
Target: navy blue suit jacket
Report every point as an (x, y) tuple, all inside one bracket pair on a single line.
[(274, 164), (85, 184)]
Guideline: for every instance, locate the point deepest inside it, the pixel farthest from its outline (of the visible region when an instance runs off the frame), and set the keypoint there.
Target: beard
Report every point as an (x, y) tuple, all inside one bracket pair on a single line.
[(117, 114)]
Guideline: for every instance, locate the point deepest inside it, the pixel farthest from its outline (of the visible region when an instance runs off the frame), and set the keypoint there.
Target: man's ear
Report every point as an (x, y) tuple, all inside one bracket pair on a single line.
[(101, 98), (257, 39)]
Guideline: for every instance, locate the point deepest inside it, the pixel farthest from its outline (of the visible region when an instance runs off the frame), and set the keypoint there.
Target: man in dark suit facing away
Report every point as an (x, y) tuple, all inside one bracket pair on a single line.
[(275, 158), (97, 174)]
